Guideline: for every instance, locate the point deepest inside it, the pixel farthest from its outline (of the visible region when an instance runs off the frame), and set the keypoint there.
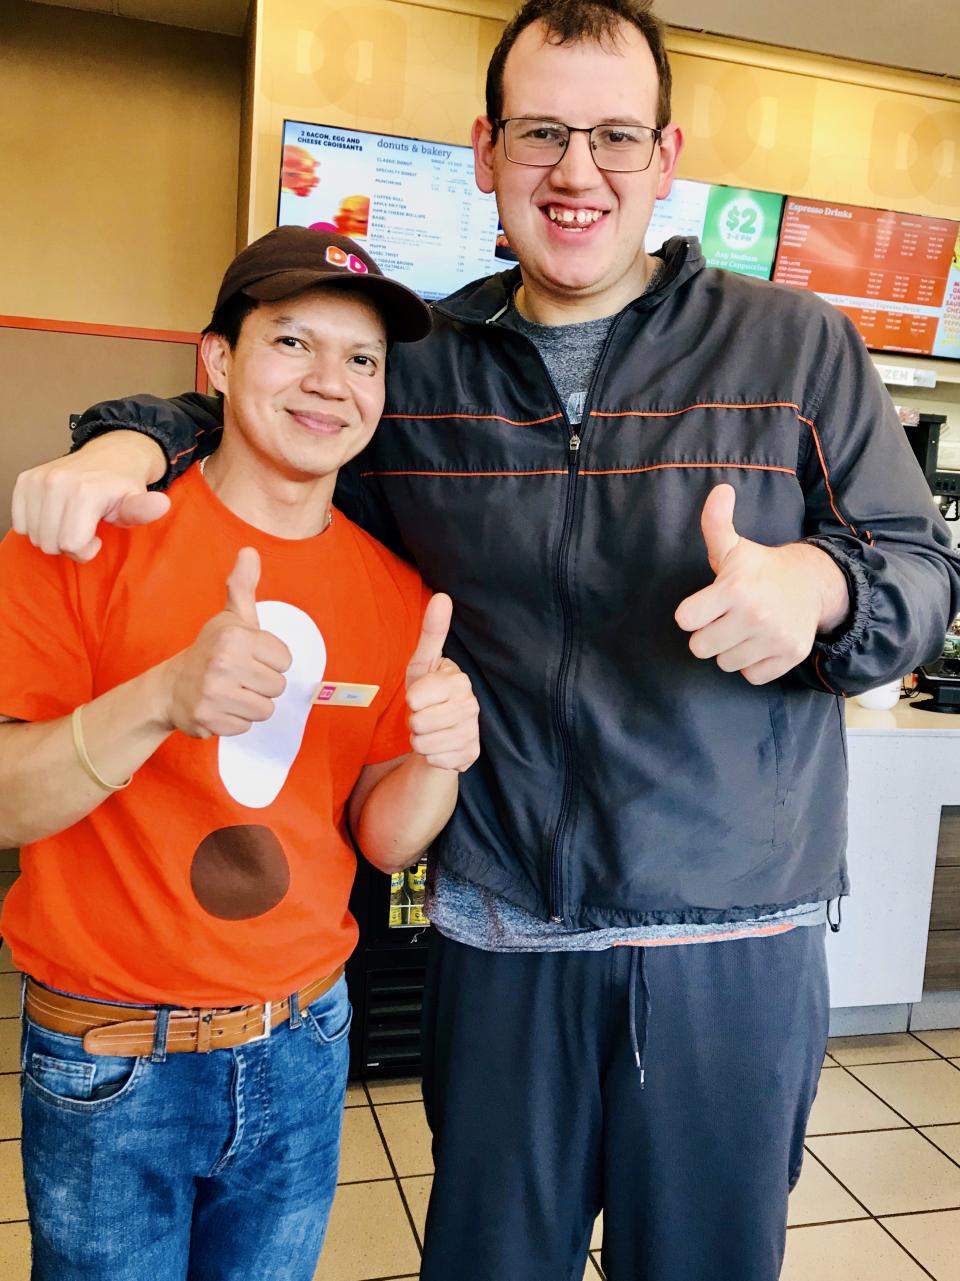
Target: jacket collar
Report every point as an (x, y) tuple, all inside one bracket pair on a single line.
[(484, 300)]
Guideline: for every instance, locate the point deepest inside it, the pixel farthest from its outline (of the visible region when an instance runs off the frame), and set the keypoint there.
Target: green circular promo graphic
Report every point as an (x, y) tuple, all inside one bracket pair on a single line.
[(741, 223)]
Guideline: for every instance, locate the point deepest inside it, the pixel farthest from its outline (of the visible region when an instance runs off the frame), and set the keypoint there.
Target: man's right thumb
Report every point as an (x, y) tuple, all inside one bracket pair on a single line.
[(242, 586), (140, 509)]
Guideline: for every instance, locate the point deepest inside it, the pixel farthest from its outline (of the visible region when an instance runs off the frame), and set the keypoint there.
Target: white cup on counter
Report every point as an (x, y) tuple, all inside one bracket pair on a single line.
[(882, 697)]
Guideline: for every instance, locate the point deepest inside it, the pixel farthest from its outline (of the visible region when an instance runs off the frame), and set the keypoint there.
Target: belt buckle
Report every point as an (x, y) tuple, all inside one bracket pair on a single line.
[(267, 1025)]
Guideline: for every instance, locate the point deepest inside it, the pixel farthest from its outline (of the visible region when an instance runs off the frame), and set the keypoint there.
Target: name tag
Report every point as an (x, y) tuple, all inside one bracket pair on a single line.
[(345, 694)]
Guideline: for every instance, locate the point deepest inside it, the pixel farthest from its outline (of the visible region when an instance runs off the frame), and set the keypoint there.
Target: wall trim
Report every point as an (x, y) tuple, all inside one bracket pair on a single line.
[(114, 331)]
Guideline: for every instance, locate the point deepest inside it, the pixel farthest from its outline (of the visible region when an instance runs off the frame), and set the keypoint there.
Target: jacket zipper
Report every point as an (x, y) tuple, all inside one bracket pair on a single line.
[(555, 866), (566, 656), (555, 905)]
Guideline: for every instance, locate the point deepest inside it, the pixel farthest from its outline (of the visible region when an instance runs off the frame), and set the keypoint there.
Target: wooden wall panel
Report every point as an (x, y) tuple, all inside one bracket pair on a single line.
[(945, 909), (46, 376), (948, 847), (942, 973)]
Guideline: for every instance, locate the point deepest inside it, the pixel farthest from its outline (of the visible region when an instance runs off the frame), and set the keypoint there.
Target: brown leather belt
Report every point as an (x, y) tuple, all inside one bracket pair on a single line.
[(130, 1031)]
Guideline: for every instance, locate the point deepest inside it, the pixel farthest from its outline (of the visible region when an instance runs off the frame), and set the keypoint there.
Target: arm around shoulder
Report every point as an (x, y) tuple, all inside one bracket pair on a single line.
[(181, 427), (121, 449)]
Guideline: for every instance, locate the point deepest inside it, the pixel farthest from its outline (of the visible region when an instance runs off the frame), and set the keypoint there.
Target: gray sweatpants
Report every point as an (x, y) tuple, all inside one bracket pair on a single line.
[(541, 1116)]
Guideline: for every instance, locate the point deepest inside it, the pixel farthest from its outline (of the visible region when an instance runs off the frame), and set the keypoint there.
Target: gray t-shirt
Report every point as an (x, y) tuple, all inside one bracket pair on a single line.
[(470, 914)]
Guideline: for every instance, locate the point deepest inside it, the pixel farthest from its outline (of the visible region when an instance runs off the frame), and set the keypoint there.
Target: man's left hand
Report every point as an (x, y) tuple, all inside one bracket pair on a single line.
[(445, 716), (762, 613)]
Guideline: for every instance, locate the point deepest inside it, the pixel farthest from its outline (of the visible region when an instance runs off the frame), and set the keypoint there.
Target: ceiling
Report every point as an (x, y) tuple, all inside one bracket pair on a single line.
[(225, 16), (923, 35)]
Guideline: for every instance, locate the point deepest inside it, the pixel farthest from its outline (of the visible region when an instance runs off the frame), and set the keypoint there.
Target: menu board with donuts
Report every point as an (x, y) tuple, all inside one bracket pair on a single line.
[(896, 275), (415, 206), (412, 204)]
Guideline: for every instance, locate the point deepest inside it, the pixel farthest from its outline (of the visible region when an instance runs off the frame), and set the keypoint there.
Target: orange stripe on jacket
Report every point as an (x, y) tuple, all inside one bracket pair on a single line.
[(513, 422), (613, 471), (730, 935), (707, 404)]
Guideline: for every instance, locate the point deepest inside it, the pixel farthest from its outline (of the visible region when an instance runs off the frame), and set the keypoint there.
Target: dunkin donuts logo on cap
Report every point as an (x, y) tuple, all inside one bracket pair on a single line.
[(338, 257)]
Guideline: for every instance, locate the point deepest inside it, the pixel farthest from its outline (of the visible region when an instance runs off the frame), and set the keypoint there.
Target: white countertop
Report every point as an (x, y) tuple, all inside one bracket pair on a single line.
[(904, 717)]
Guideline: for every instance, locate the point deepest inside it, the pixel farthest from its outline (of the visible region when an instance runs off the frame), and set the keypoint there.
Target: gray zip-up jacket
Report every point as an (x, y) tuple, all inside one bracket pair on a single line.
[(622, 781)]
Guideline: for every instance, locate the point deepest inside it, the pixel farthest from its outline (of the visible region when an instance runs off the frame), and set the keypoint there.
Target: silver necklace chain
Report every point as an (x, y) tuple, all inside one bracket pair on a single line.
[(329, 521)]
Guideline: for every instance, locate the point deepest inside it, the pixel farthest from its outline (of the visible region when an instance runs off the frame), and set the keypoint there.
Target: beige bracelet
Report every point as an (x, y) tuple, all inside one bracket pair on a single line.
[(83, 756)]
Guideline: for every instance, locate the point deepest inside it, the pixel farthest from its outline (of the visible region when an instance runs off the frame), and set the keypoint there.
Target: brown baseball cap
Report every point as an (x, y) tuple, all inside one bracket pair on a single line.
[(288, 260)]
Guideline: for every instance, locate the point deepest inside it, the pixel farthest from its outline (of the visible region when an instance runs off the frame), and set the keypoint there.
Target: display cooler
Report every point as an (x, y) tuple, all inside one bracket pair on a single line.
[(386, 973)]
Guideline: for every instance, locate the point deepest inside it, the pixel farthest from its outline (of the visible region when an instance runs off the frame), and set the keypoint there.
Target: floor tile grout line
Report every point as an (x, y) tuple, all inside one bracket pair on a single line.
[(833, 1222), (926, 1058), (396, 1176), (906, 1214), (933, 1048), (827, 1223), (908, 1253), (936, 1146), (354, 1183), (915, 1126), (880, 1096), (895, 1213), (849, 1193), (874, 1129)]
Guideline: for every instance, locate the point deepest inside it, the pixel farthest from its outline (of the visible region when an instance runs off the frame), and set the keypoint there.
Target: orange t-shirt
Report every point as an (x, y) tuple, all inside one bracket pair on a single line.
[(216, 878)]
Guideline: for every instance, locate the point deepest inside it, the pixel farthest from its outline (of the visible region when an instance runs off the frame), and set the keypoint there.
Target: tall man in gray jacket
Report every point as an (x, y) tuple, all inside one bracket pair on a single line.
[(679, 522)]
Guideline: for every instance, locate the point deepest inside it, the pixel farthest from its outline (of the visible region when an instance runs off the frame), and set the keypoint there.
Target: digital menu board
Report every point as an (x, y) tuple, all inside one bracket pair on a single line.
[(947, 341), (737, 229), (413, 204), (896, 275)]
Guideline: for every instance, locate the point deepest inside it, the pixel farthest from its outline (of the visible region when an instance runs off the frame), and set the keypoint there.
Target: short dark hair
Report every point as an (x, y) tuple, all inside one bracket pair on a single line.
[(569, 21), (227, 321)]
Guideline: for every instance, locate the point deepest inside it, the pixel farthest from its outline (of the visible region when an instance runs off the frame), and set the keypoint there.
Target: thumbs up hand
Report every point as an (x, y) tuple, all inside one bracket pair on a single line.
[(228, 678), (761, 614), (444, 714)]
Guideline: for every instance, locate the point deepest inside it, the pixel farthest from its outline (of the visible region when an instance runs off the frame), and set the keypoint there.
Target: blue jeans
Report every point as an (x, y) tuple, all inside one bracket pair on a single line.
[(198, 1167)]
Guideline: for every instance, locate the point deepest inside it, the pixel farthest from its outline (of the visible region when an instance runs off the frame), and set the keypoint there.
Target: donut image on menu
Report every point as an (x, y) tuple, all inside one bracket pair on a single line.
[(241, 871)]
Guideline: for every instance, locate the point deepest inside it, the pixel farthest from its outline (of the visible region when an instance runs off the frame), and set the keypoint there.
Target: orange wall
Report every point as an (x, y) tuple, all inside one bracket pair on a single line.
[(118, 150)]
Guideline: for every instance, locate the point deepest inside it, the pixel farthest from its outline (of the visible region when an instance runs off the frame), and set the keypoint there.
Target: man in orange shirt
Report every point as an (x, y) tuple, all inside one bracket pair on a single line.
[(180, 772)]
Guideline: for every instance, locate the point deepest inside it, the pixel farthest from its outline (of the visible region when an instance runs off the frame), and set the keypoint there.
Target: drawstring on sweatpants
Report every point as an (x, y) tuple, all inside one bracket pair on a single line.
[(639, 1044), (834, 924)]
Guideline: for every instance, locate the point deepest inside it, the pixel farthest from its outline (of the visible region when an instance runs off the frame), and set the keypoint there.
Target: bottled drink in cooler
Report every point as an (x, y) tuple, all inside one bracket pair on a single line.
[(417, 893), (396, 900)]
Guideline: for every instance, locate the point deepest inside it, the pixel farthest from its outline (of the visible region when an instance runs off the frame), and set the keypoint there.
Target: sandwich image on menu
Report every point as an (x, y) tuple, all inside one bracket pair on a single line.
[(353, 216), (299, 175)]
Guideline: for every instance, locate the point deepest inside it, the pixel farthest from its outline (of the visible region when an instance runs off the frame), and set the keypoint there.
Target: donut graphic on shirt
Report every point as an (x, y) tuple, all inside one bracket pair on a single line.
[(241, 871)]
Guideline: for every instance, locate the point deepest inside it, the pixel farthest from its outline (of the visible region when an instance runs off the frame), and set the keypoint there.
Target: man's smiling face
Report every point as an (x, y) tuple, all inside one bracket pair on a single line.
[(578, 230), (304, 385)]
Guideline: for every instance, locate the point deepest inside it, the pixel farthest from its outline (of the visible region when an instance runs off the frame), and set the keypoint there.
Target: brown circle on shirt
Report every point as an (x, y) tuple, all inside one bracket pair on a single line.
[(239, 872)]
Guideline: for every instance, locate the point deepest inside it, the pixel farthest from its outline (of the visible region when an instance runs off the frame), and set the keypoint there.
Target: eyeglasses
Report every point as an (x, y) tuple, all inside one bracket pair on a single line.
[(619, 148)]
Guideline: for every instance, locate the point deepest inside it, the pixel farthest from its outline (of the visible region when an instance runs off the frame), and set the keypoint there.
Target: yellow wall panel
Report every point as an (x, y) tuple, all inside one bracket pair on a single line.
[(118, 150), (810, 135), (378, 64)]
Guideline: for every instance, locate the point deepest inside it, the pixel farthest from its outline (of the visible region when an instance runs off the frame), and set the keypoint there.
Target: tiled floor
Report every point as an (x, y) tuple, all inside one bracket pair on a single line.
[(878, 1200)]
